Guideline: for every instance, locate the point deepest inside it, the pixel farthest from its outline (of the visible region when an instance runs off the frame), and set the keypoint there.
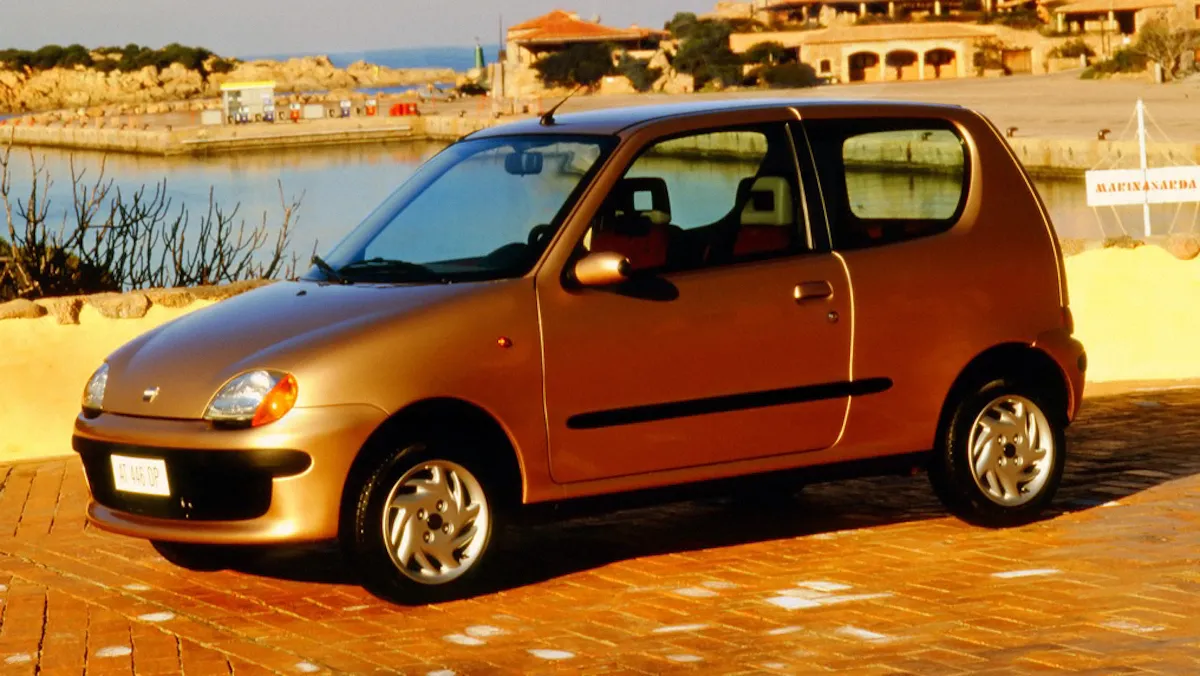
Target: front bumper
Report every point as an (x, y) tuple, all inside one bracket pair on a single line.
[(278, 483)]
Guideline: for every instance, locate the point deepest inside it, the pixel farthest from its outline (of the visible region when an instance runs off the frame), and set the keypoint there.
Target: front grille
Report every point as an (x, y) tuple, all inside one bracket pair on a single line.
[(205, 485)]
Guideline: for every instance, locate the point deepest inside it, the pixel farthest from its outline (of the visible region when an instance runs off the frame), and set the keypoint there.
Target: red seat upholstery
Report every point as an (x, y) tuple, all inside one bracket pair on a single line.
[(643, 235), (753, 239), (644, 250), (768, 220)]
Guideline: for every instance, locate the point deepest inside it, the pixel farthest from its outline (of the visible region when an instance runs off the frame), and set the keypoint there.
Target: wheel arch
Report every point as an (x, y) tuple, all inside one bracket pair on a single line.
[(497, 452), (1022, 361)]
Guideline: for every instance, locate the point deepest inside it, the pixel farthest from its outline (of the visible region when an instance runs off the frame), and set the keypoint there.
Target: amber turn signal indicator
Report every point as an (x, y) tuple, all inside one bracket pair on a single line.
[(278, 401)]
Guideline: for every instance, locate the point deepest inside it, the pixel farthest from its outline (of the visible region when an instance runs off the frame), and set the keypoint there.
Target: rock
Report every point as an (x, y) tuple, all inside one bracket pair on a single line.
[(1184, 247), (1072, 246), (171, 297), (65, 309), (91, 90), (228, 290), (1122, 242), (120, 305), (21, 308)]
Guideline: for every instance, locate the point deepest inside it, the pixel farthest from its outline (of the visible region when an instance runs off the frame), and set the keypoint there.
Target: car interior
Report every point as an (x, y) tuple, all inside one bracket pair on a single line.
[(636, 222)]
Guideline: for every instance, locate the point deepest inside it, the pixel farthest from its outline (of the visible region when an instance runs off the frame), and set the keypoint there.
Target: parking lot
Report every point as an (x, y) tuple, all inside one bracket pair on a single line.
[(867, 576)]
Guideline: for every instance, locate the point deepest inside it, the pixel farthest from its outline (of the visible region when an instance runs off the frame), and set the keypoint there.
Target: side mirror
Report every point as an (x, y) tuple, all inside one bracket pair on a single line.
[(604, 268)]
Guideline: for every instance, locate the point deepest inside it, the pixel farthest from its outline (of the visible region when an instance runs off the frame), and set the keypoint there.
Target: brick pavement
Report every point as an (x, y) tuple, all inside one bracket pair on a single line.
[(865, 576)]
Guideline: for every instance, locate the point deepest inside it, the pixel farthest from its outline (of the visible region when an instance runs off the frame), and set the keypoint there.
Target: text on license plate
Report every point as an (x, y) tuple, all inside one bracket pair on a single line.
[(147, 476)]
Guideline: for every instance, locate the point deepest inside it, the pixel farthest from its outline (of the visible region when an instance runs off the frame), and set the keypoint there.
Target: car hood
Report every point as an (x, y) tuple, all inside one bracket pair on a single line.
[(190, 358)]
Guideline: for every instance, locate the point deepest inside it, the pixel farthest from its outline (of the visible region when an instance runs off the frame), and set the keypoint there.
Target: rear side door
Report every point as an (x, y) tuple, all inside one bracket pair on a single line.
[(897, 190)]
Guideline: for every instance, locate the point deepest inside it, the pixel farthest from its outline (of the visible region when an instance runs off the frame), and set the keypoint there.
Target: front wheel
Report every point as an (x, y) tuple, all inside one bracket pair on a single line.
[(1000, 459), (422, 525)]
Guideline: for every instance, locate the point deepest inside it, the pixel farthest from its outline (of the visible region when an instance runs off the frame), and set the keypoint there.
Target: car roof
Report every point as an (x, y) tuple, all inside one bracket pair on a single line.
[(616, 120)]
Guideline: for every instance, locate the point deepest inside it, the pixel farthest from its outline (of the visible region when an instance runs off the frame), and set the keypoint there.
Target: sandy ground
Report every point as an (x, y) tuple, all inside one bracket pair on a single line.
[(1135, 311), (44, 367)]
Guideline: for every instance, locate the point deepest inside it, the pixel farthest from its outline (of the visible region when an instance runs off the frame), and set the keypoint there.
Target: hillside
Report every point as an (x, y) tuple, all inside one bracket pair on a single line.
[(39, 81)]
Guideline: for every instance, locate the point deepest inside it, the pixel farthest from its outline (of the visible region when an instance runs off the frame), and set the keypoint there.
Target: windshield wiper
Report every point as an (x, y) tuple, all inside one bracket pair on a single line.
[(388, 265), (330, 273)]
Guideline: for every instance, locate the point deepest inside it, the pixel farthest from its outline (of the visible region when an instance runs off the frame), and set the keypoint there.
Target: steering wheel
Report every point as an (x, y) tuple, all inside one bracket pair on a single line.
[(540, 234)]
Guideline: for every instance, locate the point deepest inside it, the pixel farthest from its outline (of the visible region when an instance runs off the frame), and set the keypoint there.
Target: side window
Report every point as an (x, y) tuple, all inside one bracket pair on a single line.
[(705, 199), (886, 182)]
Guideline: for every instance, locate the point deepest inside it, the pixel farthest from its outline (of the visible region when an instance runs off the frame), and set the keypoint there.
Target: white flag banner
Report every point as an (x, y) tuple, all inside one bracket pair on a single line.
[(1160, 185)]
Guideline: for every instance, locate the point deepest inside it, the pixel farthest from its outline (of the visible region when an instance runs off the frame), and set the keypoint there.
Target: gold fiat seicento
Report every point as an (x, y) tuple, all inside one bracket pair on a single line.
[(606, 302)]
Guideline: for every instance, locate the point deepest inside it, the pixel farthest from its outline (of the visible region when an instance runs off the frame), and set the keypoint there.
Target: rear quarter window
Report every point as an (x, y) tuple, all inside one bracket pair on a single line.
[(887, 181)]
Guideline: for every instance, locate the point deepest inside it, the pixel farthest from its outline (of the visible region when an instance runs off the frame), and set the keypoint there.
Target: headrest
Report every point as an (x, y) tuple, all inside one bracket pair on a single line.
[(769, 202), (643, 196)]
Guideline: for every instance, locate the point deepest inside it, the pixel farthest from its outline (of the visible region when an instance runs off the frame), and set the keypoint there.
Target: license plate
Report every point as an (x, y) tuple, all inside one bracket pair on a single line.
[(147, 476)]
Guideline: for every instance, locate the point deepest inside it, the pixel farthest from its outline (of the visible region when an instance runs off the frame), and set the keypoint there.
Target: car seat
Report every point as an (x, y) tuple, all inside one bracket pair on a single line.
[(642, 235), (768, 220)]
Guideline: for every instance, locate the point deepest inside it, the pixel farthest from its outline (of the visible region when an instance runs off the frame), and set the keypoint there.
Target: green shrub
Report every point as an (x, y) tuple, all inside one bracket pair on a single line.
[(1122, 61), (789, 76), (1072, 49), (639, 72), (221, 66), (704, 51), (1021, 19), (767, 53), (580, 64)]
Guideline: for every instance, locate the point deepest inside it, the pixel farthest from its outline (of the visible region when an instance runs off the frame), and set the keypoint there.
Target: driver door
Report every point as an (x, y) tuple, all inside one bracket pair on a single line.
[(708, 357)]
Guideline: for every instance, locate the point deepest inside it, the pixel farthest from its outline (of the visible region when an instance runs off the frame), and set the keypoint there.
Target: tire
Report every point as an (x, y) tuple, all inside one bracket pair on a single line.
[(199, 557), (407, 534), (1000, 457)]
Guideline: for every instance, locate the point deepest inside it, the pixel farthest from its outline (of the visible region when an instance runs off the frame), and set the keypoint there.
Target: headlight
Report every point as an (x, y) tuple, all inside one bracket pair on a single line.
[(256, 397), (93, 393)]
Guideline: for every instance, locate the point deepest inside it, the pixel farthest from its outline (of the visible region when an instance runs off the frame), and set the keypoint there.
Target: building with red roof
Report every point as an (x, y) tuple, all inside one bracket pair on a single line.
[(530, 41)]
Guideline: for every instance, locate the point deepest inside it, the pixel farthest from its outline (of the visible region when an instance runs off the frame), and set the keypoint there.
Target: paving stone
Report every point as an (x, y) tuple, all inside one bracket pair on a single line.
[(865, 576)]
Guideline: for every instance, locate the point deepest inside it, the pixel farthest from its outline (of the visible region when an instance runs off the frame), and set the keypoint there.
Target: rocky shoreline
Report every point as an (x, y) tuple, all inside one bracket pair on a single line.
[(147, 90)]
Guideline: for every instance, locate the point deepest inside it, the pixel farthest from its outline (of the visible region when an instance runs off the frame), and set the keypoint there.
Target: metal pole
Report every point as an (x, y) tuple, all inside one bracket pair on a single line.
[(1141, 117)]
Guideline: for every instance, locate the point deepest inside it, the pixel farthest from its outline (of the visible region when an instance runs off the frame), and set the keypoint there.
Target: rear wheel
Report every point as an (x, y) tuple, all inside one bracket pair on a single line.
[(1000, 458), (423, 523)]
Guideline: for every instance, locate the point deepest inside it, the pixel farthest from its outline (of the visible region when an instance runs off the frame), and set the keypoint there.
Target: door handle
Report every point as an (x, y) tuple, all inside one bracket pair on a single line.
[(812, 291)]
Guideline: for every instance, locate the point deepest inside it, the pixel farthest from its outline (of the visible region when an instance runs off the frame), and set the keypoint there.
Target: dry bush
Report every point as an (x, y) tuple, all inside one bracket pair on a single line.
[(112, 241)]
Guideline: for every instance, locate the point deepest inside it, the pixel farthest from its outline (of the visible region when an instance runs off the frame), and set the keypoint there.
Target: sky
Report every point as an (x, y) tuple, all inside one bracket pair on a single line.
[(251, 27)]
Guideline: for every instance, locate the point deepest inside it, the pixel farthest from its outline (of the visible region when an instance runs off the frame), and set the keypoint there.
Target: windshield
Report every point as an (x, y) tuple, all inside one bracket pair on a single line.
[(480, 209)]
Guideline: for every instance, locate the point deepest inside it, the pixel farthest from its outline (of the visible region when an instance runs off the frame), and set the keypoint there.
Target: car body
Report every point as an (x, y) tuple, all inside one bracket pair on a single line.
[(720, 289)]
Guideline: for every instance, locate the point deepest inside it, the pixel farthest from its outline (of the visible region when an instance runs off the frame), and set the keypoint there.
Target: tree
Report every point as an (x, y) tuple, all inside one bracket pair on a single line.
[(580, 64), (681, 24), (767, 53), (989, 53), (1165, 42), (639, 72), (704, 50)]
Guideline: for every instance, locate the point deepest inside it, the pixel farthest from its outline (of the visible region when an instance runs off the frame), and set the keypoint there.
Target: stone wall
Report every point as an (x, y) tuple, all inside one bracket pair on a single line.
[(144, 142), (130, 305)]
